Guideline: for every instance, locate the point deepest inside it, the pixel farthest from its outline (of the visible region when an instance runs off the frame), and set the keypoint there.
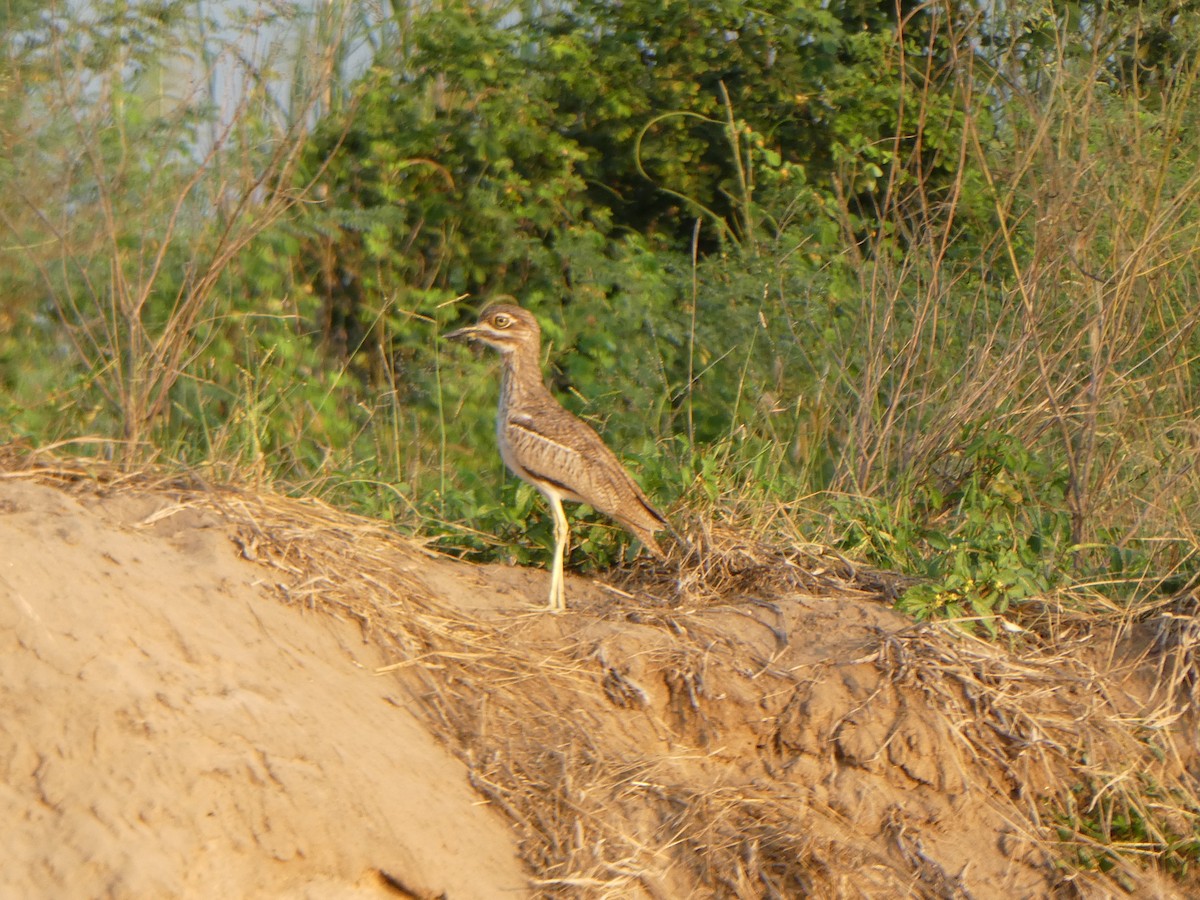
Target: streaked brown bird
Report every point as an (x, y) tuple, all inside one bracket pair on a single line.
[(551, 448)]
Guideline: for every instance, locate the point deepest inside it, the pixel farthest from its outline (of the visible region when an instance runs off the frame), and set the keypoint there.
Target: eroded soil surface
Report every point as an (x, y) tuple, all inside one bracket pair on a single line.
[(211, 693)]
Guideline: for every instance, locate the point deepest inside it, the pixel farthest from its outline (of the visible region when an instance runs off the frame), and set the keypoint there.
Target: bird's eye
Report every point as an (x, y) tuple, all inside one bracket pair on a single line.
[(502, 320)]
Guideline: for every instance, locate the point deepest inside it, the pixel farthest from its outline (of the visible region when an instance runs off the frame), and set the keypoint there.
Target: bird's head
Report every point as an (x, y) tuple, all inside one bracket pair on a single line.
[(503, 326)]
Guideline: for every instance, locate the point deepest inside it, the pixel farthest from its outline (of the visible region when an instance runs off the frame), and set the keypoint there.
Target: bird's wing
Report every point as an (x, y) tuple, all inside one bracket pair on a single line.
[(572, 458)]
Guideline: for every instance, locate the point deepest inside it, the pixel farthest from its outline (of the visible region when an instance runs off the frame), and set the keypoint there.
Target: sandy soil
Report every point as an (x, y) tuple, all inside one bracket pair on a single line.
[(212, 694), (170, 730)]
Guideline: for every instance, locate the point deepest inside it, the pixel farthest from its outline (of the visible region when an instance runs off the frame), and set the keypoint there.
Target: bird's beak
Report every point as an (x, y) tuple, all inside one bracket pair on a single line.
[(463, 334)]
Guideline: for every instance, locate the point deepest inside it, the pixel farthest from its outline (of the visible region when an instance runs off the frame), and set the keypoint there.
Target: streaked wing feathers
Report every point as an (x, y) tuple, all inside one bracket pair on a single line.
[(571, 457)]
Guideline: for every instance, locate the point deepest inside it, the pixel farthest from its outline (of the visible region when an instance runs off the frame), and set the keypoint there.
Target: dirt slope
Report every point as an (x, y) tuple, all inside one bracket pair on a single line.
[(171, 730), (220, 693)]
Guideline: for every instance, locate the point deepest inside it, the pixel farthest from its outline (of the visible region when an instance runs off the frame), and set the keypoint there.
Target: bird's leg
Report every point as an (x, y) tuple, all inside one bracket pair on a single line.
[(562, 534)]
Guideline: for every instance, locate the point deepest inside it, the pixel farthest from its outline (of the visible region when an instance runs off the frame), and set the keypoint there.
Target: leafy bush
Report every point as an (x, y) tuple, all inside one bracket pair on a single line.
[(869, 269), (1009, 536)]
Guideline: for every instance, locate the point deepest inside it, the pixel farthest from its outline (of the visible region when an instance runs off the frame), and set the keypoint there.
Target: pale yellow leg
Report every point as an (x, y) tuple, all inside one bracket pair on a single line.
[(562, 535)]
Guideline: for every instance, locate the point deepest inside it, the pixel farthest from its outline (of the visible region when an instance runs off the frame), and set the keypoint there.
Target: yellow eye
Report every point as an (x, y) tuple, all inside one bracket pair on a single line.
[(502, 320)]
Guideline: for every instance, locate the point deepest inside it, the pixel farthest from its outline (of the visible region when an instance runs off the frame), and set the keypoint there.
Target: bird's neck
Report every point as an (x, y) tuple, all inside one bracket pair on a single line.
[(522, 378)]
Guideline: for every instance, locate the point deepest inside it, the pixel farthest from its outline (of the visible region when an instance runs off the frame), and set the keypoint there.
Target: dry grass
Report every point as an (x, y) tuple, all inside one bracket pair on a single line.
[(716, 564), (1078, 728)]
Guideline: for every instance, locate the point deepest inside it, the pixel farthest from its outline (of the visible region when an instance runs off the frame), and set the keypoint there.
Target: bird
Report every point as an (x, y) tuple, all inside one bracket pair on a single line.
[(552, 449)]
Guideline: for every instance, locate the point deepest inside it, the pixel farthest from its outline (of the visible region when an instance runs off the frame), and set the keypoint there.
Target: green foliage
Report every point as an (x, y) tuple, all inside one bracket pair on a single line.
[(494, 153), (1009, 537), (660, 81), (865, 264), (1154, 822)]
